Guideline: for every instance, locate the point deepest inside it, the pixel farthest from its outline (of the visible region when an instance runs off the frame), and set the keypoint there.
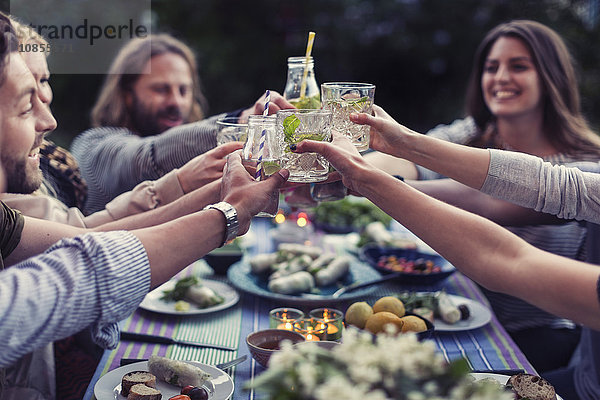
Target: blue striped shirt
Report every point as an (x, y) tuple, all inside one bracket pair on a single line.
[(92, 280), (114, 160)]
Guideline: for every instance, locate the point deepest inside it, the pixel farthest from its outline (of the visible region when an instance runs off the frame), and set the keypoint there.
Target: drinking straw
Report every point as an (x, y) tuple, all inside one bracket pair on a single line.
[(261, 143), (309, 46)]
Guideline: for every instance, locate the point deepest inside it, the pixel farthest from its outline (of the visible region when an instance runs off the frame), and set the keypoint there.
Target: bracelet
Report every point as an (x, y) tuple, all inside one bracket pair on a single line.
[(231, 220)]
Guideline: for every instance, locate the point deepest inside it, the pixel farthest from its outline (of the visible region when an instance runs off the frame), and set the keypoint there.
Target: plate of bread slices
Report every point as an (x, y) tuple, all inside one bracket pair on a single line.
[(163, 378), (524, 386)]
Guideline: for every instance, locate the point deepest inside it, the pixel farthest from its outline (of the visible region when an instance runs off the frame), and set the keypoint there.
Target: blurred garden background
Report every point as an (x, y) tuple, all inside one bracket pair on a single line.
[(417, 52)]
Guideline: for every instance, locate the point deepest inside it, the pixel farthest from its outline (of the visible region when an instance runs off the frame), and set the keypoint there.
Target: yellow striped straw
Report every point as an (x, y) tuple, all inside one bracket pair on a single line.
[(309, 46)]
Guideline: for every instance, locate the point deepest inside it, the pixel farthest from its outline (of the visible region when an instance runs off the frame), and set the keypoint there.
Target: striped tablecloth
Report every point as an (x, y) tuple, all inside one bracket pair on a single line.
[(489, 347)]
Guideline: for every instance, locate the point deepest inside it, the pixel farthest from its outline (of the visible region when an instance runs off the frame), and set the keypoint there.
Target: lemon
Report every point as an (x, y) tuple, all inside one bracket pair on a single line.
[(358, 313), (378, 321), (390, 304), (412, 323)]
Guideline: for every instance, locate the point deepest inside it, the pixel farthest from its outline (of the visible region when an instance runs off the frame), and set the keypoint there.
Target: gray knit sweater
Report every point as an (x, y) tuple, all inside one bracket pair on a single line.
[(569, 193)]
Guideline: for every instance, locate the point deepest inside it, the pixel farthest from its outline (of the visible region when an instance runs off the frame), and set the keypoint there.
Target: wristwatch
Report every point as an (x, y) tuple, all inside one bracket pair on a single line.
[(231, 220)]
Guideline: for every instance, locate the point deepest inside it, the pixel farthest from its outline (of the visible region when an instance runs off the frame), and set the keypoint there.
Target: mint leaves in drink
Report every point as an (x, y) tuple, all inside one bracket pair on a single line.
[(290, 125)]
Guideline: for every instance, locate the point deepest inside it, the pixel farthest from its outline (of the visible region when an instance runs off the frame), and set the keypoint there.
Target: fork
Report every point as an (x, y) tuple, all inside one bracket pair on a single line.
[(359, 285), (222, 366)]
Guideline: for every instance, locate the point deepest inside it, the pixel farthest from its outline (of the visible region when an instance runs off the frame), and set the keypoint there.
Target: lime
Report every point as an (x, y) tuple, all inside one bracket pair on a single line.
[(309, 136), (270, 167)]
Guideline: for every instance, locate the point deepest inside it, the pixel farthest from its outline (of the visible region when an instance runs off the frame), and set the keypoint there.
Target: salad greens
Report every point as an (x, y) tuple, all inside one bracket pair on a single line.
[(349, 213), (180, 289)]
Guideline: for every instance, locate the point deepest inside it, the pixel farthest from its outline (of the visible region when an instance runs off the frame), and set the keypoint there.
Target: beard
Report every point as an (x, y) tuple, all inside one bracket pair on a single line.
[(146, 123), (20, 176)]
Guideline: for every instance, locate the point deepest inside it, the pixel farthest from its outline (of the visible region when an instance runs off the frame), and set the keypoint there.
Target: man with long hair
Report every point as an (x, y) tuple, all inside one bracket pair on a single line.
[(148, 119)]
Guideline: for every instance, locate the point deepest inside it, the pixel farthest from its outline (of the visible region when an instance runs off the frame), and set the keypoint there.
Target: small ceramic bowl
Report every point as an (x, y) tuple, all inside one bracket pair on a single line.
[(373, 255), (221, 259), (262, 344)]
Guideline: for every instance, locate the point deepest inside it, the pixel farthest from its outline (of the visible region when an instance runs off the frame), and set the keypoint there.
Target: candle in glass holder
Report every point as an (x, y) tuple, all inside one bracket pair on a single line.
[(312, 330), (284, 318), (330, 317)]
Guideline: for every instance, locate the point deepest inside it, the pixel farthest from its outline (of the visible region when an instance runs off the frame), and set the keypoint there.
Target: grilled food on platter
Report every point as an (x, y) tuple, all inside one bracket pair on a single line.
[(297, 268)]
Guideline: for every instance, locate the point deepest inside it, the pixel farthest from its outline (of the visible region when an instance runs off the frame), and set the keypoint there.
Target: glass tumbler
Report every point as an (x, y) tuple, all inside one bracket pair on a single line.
[(230, 129), (332, 318), (284, 318), (262, 163), (293, 126), (344, 98)]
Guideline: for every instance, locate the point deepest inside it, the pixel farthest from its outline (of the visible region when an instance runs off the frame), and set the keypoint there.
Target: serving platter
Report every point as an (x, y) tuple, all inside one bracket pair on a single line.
[(243, 279)]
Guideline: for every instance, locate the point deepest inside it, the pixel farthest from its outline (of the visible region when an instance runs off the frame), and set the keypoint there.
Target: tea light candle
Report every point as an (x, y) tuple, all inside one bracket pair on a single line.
[(284, 318), (312, 330), (332, 318)]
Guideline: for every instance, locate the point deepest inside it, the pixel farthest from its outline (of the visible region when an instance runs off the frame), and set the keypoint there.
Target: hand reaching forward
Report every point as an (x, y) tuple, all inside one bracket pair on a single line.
[(248, 196), (206, 167), (276, 103), (344, 157), (387, 136)]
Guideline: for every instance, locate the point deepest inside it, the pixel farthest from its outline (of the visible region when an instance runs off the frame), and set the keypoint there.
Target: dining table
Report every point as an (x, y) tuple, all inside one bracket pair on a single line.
[(486, 348)]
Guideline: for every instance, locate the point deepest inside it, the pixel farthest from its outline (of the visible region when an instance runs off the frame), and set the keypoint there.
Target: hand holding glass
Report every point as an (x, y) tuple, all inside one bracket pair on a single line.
[(344, 98), (262, 129), (293, 126)]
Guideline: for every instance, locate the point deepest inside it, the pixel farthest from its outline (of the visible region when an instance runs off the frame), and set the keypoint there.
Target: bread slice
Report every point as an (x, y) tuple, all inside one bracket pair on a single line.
[(143, 392), (135, 377), (532, 387)]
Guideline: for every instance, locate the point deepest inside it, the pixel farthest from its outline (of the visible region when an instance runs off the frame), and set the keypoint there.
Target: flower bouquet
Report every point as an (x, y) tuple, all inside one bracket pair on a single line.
[(363, 368)]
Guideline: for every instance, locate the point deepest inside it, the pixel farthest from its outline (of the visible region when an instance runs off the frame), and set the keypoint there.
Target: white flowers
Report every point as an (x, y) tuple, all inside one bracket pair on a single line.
[(362, 368)]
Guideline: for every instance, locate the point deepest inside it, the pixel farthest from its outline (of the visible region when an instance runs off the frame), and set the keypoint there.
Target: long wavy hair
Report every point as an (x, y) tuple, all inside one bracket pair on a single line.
[(564, 124), (110, 108)]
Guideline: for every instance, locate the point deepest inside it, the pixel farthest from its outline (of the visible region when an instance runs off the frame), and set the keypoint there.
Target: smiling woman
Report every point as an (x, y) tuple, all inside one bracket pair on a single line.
[(522, 96)]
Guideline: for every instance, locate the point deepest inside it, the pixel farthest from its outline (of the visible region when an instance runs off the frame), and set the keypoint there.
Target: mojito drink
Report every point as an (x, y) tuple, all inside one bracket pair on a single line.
[(342, 99)]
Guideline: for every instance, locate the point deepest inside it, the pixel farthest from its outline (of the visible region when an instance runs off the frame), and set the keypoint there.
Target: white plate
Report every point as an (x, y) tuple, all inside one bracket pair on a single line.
[(502, 379), (153, 302), (480, 316), (109, 386)]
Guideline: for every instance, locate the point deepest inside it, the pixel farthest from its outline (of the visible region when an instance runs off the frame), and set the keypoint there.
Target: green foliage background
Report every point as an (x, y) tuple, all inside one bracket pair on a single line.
[(417, 52)]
